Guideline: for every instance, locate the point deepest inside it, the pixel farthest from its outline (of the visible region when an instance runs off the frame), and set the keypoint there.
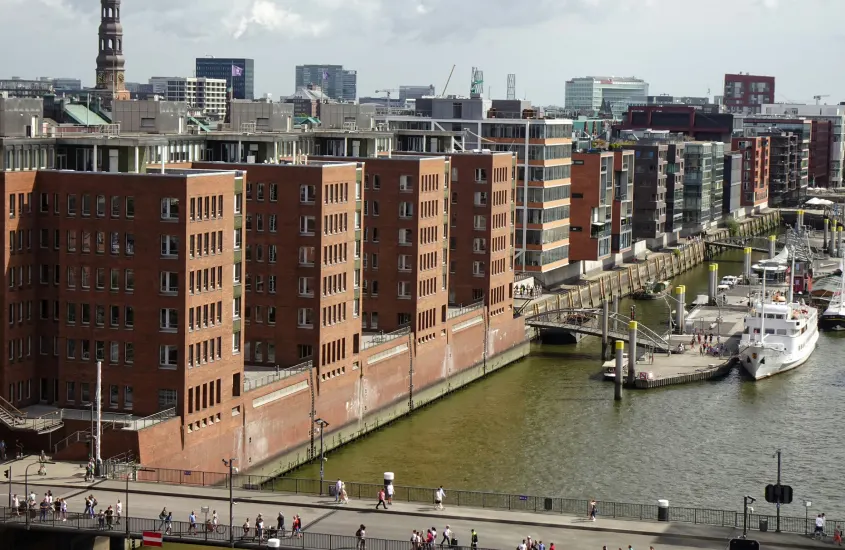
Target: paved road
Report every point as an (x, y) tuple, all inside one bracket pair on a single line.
[(382, 524)]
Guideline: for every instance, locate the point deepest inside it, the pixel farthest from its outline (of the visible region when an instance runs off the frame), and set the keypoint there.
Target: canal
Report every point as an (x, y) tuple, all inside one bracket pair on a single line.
[(549, 426)]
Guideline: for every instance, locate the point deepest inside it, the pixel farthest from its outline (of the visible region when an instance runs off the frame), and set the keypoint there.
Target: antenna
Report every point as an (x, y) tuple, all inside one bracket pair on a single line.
[(511, 86)]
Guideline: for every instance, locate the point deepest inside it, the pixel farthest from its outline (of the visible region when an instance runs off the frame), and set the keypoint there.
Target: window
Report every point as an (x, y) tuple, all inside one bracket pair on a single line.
[(238, 240), (307, 225), (86, 241), (405, 237), (404, 289), (129, 353), (405, 184), (478, 269), (271, 284), (169, 246), (130, 207), (169, 282), (114, 279), (114, 316), (480, 198), (479, 222), (166, 399), (128, 397), (101, 206), (168, 319), (406, 210), (45, 203), (100, 350), (170, 209), (272, 254), (272, 223), (129, 280), (306, 255), (306, 286), (239, 203), (128, 316), (405, 262), (86, 392), (71, 314), (259, 191), (168, 356), (71, 241), (115, 207), (70, 393), (71, 205), (236, 308), (307, 194), (479, 245), (305, 317)]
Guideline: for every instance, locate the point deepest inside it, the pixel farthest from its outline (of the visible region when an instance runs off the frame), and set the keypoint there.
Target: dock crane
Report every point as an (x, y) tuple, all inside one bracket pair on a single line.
[(388, 92), (819, 97), (448, 80)]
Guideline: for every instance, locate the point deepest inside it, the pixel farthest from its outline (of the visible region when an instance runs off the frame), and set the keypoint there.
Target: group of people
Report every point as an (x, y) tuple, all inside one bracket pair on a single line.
[(705, 343), (531, 544), (340, 495)]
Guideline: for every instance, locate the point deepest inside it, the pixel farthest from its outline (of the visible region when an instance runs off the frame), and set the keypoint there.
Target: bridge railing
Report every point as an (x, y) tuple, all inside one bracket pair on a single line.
[(183, 531), (479, 499), (593, 321)]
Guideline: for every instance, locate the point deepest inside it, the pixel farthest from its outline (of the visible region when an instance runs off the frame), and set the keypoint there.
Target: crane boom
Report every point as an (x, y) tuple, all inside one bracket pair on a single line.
[(448, 80)]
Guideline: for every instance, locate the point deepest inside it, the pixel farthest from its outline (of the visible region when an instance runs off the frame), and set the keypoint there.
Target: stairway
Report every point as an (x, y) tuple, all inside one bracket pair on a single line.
[(14, 419)]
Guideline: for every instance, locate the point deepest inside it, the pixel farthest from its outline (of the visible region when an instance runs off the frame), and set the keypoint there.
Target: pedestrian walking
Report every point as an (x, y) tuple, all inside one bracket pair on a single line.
[(93, 504), (439, 495), (344, 497), (338, 487), (246, 528), (168, 524), (297, 526), (101, 520), (447, 537), (473, 540), (64, 509), (192, 521), (87, 511), (16, 504), (361, 535), (162, 517), (109, 516), (259, 527), (2, 449), (390, 493), (381, 501), (593, 510), (280, 523), (118, 510)]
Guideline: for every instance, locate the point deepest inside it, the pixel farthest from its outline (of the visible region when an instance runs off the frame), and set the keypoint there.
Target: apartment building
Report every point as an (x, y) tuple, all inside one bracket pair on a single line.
[(747, 93), (117, 268), (732, 185), (674, 191), (302, 229), (405, 247), (592, 206), (790, 148), (621, 233), (481, 197), (649, 219), (207, 95), (755, 153), (699, 164)]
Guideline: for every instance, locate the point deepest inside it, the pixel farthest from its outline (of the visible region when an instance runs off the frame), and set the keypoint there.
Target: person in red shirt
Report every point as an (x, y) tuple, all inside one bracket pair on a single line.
[(381, 500)]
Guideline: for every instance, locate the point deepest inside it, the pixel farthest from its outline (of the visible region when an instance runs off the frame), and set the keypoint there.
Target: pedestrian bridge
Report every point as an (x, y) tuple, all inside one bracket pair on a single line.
[(757, 244), (591, 322)]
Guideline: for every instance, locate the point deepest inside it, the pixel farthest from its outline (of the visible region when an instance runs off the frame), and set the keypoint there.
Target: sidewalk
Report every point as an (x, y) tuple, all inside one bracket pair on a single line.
[(70, 476)]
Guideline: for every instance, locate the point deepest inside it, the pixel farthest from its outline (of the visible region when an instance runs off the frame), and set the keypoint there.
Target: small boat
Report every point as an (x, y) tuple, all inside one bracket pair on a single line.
[(609, 368), (652, 290), (833, 317)]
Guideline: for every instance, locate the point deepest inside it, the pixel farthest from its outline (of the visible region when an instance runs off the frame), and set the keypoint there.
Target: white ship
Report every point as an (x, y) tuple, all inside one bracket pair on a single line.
[(833, 317), (778, 337)]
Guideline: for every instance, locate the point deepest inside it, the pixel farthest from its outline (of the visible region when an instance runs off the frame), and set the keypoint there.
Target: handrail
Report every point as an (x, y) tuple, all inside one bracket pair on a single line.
[(49, 420), (279, 374), (382, 337), (10, 408), (75, 437), (152, 419), (465, 309)]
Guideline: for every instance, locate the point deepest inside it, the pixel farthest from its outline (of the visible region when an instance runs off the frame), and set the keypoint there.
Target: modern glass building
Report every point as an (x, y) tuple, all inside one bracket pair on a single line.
[(334, 80), (589, 93), (238, 72)]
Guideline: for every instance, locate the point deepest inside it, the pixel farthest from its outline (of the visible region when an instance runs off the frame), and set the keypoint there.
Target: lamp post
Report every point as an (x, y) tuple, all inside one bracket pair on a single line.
[(130, 471), (746, 500), (322, 425), (26, 485), (232, 470), (807, 505)]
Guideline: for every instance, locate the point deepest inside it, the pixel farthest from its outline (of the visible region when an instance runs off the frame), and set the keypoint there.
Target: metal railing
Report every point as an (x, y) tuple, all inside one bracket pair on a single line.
[(382, 337), (182, 531), (75, 437), (460, 310), (479, 499), (48, 421), (152, 420), (278, 374)]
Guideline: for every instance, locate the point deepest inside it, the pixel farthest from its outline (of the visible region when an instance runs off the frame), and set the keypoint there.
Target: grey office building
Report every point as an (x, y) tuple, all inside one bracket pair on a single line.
[(334, 80), (238, 72), (732, 185), (414, 92)]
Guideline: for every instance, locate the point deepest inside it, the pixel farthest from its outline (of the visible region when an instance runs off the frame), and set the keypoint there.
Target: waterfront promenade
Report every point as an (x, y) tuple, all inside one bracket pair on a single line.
[(498, 529)]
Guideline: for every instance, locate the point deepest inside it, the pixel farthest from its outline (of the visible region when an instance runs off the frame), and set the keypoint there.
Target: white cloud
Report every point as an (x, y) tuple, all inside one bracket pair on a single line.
[(269, 15)]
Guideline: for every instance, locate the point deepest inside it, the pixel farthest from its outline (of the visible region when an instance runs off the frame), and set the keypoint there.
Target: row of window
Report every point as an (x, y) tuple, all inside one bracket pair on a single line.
[(257, 313), (86, 395), (81, 350), (259, 189), (82, 205), (201, 208), (81, 313), (211, 392), (265, 352), (272, 223), (259, 283), (81, 241), (199, 281), (203, 244), (200, 353), (272, 253)]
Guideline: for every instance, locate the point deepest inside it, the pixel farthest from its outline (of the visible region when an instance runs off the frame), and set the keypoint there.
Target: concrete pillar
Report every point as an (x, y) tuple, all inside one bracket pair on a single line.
[(831, 244), (800, 223), (773, 239), (632, 352), (137, 160), (826, 224), (746, 265), (712, 283), (620, 365), (94, 160), (680, 312), (605, 314)]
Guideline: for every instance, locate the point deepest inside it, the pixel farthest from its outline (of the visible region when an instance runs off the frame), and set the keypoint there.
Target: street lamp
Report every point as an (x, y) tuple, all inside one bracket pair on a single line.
[(26, 485), (322, 424), (746, 500), (232, 470), (807, 505)]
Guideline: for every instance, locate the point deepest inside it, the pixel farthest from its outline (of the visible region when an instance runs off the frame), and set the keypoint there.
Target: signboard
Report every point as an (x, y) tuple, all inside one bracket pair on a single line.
[(151, 538)]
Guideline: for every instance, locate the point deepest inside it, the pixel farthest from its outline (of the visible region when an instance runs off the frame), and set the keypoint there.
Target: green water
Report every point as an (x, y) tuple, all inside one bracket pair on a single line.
[(548, 425)]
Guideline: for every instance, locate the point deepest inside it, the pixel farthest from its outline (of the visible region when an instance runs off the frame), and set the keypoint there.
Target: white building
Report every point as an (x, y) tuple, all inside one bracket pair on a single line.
[(208, 94), (833, 113), (589, 92)]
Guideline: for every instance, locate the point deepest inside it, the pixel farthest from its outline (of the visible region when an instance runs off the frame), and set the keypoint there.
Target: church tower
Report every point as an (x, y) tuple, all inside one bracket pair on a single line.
[(110, 62)]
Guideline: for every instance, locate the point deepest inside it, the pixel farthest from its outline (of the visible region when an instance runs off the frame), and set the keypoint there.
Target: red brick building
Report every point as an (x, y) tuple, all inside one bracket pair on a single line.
[(755, 169), (747, 93), (592, 206)]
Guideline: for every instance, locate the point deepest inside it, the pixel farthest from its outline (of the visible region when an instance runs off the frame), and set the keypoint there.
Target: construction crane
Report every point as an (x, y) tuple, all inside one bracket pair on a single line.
[(448, 80), (819, 97), (388, 92)]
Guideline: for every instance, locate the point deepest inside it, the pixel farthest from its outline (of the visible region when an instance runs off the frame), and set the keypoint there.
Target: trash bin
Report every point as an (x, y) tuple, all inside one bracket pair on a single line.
[(547, 504), (662, 510), (764, 525)]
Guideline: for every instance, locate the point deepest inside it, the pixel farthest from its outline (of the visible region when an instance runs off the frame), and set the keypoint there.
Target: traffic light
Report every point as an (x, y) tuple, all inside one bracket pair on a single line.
[(786, 494), (6, 473), (771, 493), (744, 544), (778, 494)]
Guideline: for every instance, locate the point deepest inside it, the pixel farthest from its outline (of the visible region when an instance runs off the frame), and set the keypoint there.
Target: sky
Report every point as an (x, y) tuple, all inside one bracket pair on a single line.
[(680, 47)]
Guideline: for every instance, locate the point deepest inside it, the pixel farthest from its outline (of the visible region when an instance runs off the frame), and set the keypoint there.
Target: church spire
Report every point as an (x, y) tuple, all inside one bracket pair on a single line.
[(110, 62)]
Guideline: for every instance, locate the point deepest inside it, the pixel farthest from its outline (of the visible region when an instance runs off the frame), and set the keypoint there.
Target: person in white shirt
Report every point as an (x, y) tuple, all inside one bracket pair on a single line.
[(447, 537), (522, 545), (819, 525), (338, 487), (118, 510), (439, 495), (390, 493), (16, 504)]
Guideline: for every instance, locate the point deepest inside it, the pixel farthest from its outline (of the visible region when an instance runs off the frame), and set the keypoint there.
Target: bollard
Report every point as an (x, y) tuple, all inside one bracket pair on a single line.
[(605, 314), (746, 266), (632, 353), (831, 244), (620, 366), (773, 239), (800, 222), (680, 293), (712, 283)]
